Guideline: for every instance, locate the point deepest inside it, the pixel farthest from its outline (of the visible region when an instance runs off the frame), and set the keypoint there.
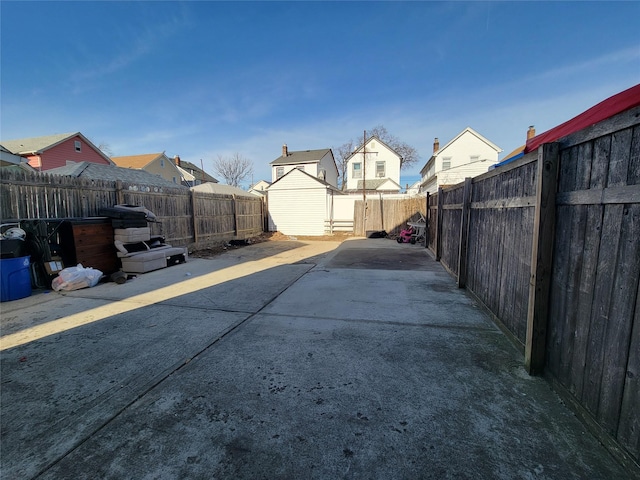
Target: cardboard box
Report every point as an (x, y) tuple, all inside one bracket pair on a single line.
[(54, 266)]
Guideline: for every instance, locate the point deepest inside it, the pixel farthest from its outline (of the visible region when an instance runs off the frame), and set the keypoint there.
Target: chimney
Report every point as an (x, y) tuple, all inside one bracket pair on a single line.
[(531, 132), (436, 145), (285, 150), (176, 160)]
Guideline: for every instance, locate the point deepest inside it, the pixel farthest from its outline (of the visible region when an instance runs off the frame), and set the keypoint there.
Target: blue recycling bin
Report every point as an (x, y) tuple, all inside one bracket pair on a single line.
[(15, 278)]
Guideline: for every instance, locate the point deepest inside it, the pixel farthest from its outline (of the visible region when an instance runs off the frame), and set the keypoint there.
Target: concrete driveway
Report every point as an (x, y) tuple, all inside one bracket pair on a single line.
[(284, 360)]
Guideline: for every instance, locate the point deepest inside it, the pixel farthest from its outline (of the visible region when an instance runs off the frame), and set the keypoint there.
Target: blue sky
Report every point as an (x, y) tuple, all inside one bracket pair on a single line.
[(202, 79)]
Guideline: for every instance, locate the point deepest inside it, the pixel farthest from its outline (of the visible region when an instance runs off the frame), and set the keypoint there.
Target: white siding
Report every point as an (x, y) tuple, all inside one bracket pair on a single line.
[(376, 152), (298, 205), (343, 206), (310, 168), (459, 152), (458, 174), (328, 164)]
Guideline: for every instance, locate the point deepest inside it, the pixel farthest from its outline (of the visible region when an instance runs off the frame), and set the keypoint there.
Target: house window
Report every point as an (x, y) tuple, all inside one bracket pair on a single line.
[(175, 180), (300, 167), (78, 145), (162, 163), (279, 172), (446, 163), (474, 158), (380, 169), (357, 170)]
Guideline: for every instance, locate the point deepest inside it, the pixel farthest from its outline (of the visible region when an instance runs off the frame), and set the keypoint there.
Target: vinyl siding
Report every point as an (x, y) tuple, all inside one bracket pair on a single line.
[(376, 153), (169, 171), (298, 205), (60, 154)]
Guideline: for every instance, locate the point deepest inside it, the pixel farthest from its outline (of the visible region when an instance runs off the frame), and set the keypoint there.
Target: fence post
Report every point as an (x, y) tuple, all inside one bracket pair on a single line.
[(439, 226), (192, 194), (541, 257), (235, 216), (426, 223), (464, 234), (119, 192)]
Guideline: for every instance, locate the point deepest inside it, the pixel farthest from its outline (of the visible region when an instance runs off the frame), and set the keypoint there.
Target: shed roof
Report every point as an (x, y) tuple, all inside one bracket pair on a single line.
[(293, 172), (96, 171), (222, 189)]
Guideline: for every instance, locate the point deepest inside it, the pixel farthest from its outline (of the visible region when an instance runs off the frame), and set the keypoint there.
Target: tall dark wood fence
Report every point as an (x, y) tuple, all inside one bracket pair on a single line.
[(551, 246), (184, 217)]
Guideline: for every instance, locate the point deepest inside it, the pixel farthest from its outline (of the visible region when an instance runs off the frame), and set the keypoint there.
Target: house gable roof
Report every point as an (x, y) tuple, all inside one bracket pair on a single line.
[(377, 183), (137, 161), (197, 172), (377, 139), (266, 183), (472, 132), (442, 149), (96, 171), (38, 145), (302, 156)]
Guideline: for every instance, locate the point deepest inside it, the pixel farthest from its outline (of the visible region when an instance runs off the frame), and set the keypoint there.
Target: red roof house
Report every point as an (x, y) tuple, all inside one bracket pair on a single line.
[(52, 151), (618, 103)]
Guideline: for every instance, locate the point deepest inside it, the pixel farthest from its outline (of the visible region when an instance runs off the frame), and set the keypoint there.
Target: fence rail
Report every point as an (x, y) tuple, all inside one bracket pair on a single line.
[(196, 219), (551, 246)]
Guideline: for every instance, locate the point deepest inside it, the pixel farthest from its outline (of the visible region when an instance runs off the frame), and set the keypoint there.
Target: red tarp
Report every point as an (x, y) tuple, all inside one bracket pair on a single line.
[(611, 106)]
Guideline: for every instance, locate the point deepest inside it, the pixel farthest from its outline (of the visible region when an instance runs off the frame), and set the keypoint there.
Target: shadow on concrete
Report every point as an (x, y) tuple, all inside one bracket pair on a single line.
[(60, 388)]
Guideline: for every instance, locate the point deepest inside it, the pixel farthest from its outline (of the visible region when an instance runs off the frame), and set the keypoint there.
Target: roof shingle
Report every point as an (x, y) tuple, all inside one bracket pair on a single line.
[(302, 156)]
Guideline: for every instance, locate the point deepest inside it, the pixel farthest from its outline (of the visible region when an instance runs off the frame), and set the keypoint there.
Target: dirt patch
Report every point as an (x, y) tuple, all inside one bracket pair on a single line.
[(264, 237)]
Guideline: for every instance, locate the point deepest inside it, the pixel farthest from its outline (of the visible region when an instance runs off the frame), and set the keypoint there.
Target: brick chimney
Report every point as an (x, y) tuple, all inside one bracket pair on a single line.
[(285, 150), (531, 132), (176, 160), (436, 145)]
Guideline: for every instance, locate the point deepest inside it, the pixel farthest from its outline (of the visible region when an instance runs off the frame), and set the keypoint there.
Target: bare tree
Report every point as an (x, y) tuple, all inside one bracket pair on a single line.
[(407, 152), (343, 152), (233, 169), (105, 148)]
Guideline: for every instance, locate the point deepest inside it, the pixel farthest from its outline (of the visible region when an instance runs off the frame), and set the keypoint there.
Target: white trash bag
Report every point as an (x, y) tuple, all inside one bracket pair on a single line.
[(75, 278)]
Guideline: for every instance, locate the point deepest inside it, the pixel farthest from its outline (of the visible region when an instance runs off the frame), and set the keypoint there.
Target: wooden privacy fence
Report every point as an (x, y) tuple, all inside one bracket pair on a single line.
[(390, 215), (184, 217), (551, 246)]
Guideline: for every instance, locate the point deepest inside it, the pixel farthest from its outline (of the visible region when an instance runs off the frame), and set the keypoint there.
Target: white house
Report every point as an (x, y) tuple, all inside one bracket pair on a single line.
[(469, 154), (317, 163), (379, 172), (260, 188), (300, 203)]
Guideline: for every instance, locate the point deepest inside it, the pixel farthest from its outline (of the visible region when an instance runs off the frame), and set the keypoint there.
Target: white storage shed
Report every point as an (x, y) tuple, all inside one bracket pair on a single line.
[(300, 204)]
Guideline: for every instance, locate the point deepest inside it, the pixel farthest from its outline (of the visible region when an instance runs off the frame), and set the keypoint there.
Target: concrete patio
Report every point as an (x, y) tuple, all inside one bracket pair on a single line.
[(289, 359)]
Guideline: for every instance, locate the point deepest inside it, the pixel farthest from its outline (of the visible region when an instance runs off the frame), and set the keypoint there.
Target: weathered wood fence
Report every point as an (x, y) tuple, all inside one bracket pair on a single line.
[(390, 215), (551, 246), (184, 217)]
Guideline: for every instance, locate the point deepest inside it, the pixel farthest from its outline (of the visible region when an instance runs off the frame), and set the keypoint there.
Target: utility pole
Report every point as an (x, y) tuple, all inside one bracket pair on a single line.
[(364, 167), (364, 180)]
